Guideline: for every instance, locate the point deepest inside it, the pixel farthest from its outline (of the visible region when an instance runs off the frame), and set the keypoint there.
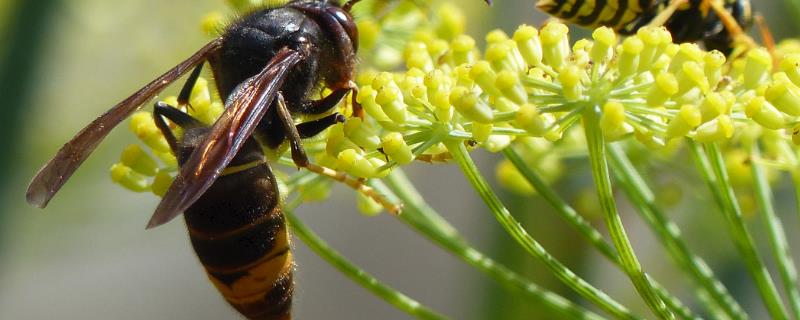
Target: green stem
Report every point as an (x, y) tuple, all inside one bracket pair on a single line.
[(561, 206), (514, 228), (672, 303), (777, 237), (424, 219), (630, 264), (669, 234), (388, 294), (712, 168), (582, 226)]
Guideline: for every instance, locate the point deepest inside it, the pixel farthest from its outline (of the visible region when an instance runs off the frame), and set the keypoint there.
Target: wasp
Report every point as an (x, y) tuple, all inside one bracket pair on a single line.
[(718, 24), (266, 65)]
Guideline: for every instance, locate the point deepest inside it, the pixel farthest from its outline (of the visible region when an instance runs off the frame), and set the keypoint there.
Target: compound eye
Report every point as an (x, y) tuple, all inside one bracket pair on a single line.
[(346, 21)]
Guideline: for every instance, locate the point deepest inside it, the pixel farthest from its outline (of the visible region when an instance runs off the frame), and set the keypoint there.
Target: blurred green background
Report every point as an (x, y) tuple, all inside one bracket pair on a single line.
[(87, 256)]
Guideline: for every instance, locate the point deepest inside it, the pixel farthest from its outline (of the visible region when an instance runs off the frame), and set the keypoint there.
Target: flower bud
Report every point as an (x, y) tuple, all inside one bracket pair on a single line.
[(497, 142), (496, 36), (555, 44), (612, 121), (361, 134), (501, 57), (366, 97), (129, 179), (144, 127), (713, 62), (713, 105), (691, 75), (485, 77), (396, 148), (529, 119), (688, 118), (354, 163), (481, 131), (629, 56), (471, 106), (528, 44), (764, 113), (665, 86), (508, 83), (686, 52), (134, 157), (604, 41), (784, 95), (651, 41), (718, 129), (390, 98), (462, 50), (570, 78), (337, 141), (758, 64), (161, 183)]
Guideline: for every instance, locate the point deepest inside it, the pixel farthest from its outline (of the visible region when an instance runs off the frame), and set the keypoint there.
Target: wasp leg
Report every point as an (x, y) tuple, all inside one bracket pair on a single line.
[(312, 128), (301, 160), (661, 18), (326, 103), (186, 90), (729, 22), (767, 39), (299, 155), (358, 111), (162, 110)]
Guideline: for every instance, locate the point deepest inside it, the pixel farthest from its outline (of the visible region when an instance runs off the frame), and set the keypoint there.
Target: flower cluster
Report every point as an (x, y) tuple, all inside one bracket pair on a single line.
[(534, 84), (528, 89)]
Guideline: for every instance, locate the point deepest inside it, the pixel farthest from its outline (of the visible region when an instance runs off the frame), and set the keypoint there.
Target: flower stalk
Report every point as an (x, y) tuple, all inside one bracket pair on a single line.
[(514, 228), (630, 264), (712, 168)]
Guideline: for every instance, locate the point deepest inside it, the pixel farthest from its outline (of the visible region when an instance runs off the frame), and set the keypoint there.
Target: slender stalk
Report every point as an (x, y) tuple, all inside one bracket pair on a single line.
[(388, 294), (561, 206), (669, 234), (630, 264), (514, 228), (777, 237), (672, 303), (418, 214), (712, 168), (584, 227)]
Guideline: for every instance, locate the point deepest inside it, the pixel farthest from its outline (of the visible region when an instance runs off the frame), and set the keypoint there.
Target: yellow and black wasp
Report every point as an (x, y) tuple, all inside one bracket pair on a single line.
[(718, 24), (267, 64)]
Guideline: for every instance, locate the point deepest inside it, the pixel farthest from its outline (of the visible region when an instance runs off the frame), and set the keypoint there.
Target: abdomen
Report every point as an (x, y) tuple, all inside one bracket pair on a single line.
[(238, 231), (616, 14)]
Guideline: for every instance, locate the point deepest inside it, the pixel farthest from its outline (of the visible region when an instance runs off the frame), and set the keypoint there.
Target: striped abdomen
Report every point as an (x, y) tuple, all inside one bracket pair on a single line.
[(238, 231), (615, 14)]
